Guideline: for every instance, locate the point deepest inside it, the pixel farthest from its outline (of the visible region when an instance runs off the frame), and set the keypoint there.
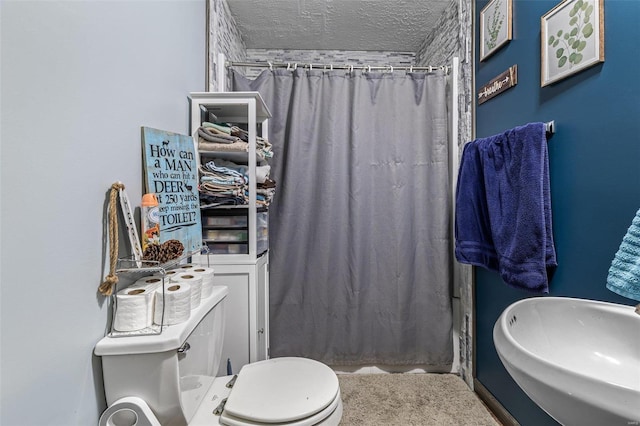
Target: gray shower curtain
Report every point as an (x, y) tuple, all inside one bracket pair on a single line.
[(360, 249)]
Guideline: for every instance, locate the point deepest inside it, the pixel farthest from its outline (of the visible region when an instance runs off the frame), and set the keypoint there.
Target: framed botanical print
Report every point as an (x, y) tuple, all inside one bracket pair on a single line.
[(572, 39), (495, 26)]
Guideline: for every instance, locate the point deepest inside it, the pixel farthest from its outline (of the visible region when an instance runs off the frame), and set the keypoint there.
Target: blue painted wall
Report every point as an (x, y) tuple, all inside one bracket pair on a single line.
[(594, 166)]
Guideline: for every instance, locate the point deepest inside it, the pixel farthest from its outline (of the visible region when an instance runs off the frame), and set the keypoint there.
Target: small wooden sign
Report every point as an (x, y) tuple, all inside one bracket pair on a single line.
[(504, 81)]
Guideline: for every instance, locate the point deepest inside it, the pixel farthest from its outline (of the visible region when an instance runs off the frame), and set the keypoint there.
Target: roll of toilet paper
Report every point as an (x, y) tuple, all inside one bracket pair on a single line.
[(134, 307), (167, 274), (195, 282), (150, 284), (176, 302), (207, 280), (187, 267)]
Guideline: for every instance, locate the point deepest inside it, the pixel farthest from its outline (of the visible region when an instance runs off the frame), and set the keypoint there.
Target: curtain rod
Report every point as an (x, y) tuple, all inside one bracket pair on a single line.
[(295, 65)]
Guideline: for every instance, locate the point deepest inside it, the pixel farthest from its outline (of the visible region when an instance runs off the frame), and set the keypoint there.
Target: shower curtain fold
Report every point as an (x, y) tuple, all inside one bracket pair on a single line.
[(360, 247)]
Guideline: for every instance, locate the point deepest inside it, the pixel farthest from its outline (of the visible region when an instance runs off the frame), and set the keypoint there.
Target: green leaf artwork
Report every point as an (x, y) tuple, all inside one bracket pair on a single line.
[(570, 42), (495, 24)]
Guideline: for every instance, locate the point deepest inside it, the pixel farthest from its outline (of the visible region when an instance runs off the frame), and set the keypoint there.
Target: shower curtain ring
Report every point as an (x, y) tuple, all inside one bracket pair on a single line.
[(270, 65), (295, 66), (391, 69), (369, 69), (410, 68), (288, 66)]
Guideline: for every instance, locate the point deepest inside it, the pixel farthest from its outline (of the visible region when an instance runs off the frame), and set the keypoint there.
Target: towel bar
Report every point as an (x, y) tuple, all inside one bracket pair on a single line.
[(550, 127)]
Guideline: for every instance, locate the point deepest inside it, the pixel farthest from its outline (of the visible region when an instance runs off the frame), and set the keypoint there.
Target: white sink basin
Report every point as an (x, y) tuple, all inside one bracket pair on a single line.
[(579, 360)]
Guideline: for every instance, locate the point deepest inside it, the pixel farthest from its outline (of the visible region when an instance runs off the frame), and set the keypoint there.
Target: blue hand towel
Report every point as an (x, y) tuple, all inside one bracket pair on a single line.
[(624, 273), (503, 207)]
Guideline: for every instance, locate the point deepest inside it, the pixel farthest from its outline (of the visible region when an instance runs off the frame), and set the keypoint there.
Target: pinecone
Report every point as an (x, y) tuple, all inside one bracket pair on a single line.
[(164, 252), (152, 252), (170, 250)]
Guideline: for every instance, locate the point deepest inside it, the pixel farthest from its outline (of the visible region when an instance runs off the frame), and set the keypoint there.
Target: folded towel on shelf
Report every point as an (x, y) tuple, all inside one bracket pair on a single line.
[(212, 135), (221, 183), (267, 191), (214, 167), (220, 190), (216, 126), (263, 146), (221, 180), (624, 273), (225, 182), (503, 207), (262, 172), (206, 146), (268, 183), (242, 134)]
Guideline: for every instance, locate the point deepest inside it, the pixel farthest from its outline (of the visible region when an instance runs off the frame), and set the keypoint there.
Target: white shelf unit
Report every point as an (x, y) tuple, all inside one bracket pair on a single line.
[(245, 275), (244, 108), (246, 328)]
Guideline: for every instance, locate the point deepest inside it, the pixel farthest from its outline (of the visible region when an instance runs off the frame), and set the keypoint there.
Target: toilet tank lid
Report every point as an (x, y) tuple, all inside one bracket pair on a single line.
[(171, 338)]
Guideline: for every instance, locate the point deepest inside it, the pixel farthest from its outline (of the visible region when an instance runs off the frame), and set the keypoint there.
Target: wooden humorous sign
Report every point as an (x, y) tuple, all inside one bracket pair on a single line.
[(171, 172), (504, 81)]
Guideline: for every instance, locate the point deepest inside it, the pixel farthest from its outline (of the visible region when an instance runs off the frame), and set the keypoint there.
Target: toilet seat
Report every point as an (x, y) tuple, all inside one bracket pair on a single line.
[(292, 391), (334, 409)]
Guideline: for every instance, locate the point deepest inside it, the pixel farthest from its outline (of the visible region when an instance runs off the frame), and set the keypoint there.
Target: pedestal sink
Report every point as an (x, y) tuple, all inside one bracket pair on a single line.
[(579, 360)]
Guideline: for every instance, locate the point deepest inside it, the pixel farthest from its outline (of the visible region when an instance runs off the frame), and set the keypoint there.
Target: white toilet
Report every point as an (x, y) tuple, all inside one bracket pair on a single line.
[(169, 379)]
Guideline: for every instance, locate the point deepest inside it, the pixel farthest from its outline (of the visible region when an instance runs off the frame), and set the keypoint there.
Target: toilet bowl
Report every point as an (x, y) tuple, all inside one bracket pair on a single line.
[(169, 379)]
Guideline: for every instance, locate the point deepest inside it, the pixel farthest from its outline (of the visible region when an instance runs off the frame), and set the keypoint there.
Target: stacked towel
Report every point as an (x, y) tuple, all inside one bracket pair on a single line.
[(212, 134), (213, 137), (503, 207), (225, 182), (208, 146), (263, 147), (624, 273), (221, 185)]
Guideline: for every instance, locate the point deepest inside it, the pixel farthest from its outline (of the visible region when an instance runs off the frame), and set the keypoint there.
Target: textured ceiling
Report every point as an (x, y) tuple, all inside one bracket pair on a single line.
[(390, 25)]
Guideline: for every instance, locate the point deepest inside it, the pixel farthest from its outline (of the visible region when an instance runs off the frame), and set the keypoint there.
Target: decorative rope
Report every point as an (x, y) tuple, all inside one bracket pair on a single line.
[(106, 288)]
